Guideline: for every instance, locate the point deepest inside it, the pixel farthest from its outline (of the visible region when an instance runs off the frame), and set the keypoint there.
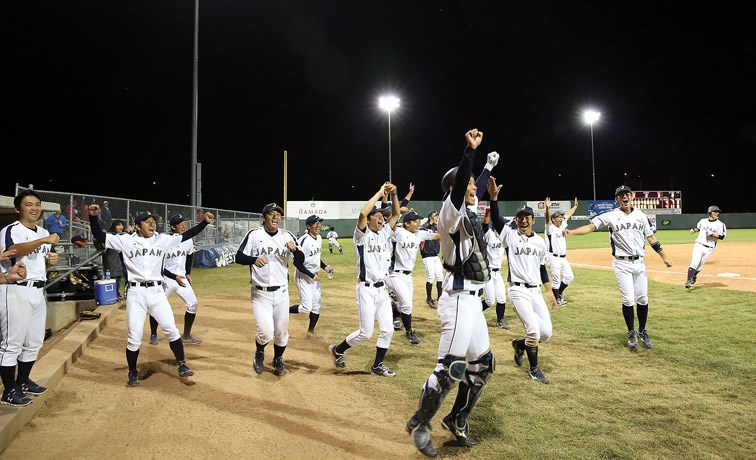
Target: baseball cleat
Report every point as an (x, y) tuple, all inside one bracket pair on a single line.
[(421, 438), (16, 398), (459, 433), (632, 340), (561, 302), (382, 370), (278, 366), (258, 363), (31, 388), (502, 324), (154, 339), (338, 358), (133, 378), (537, 375), (645, 341), (431, 303), (184, 371), (189, 340), (688, 284), (397, 324), (412, 337), (518, 353)]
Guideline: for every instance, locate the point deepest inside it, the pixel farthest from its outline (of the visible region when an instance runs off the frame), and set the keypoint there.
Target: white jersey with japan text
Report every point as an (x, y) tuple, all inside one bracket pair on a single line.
[(175, 259), (628, 232), (707, 227), (525, 255), (557, 244), (406, 246), (143, 257), (271, 248), (495, 248), (373, 253), (311, 247), (36, 263)]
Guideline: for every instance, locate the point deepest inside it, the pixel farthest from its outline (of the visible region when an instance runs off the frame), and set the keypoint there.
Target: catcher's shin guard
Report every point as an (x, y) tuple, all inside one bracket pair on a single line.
[(432, 397), (469, 391)]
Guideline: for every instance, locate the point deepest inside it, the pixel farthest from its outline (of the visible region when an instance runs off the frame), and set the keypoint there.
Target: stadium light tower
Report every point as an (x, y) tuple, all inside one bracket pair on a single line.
[(389, 104), (590, 117)]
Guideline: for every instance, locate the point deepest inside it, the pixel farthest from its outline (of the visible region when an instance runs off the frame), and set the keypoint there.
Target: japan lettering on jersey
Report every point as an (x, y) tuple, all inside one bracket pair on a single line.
[(36, 263), (452, 228), (525, 255), (495, 248), (406, 245), (556, 242), (628, 232), (175, 260), (707, 227), (373, 253), (311, 248), (143, 257), (271, 248)]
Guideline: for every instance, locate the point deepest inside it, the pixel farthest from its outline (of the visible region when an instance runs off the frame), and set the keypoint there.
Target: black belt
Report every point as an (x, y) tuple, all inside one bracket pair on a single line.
[(376, 284), (558, 255), (494, 269), (477, 293), (406, 272), (146, 283), (268, 288), (530, 286), (35, 284), (710, 247), (628, 257)]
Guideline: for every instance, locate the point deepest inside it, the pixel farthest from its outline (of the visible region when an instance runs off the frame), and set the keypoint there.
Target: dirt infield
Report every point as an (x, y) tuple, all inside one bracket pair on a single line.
[(728, 259)]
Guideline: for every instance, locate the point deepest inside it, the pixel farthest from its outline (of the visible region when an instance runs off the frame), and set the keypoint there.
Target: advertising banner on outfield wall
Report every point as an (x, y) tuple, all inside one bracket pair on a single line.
[(539, 207), (325, 209)]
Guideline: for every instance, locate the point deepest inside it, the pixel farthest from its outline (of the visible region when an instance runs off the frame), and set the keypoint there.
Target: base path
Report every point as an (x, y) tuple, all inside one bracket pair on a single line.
[(728, 259)]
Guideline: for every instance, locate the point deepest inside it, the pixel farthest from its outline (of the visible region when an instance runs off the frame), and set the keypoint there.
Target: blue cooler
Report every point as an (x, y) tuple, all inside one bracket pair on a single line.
[(105, 292)]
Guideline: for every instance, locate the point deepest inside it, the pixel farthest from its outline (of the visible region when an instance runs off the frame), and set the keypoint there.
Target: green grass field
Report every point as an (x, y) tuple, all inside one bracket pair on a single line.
[(692, 396), (601, 239)]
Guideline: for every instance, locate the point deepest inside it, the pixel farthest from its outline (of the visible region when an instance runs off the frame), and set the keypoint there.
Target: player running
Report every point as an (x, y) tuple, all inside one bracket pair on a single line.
[(561, 270), (710, 230), (495, 291), (306, 276), (333, 237)]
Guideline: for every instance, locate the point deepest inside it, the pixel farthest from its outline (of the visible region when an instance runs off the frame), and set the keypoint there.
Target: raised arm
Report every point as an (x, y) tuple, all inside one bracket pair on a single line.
[(462, 178), (482, 181), (493, 193), (194, 231), (547, 204), (362, 219), (572, 210), (395, 213)]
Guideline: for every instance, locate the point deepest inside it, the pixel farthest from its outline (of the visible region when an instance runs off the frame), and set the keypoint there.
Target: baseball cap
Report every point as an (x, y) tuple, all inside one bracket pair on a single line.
[(525, 210), (142, 217), (270, 207), (385, 211), (556, 214), (313, 220), (622, 189), (410, 216), (714, 208), (431, 214), (177, 219)]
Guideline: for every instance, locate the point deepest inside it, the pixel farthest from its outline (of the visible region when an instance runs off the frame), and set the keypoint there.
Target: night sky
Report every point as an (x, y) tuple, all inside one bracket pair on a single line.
[(97, 97)]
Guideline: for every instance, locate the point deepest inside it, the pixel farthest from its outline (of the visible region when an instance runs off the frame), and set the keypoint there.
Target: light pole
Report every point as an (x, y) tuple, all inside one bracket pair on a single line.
[(388, 104), (590, 117)]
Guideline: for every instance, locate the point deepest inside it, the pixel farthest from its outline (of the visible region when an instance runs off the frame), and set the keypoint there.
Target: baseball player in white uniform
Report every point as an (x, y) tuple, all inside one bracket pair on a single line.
[(143, 256), (307, 275), (332, 237), (23, 310), (267, 251), (495, 291), (464, 354), (710, 230), (406, 242), (179, 262), (561, 270), (628, 228), (526, 260), (372, 247), (429, 251)]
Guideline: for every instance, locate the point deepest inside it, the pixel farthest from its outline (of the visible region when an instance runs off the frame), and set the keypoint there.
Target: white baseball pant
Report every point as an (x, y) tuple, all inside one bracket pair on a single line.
[(185, 292), (495, 290), (532, 310), (434, 269), (23, 313), (632, 280), (701, 254), (373, 304), (561, 271), (309, 293), (401, 285), (141, 301), (271, 312)]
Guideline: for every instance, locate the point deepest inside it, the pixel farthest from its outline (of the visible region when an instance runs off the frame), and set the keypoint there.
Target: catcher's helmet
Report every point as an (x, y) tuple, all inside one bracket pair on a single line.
[(714, 208), (448, 179)]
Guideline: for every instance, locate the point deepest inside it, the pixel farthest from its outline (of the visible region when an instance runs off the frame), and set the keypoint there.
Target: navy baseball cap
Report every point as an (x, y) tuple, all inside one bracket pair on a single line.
[(410, 216), (556, 214), (622, 189), (714, 208), (177, 219), (142, 217), (313, 220), (431, 214), (525, 211), (270, 207)]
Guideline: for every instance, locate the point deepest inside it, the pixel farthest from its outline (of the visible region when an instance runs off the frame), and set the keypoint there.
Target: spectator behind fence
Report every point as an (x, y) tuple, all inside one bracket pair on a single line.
[(71, 212), (84, 212), (106, 217), (56, 223), (200, 215), (112, 261)]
